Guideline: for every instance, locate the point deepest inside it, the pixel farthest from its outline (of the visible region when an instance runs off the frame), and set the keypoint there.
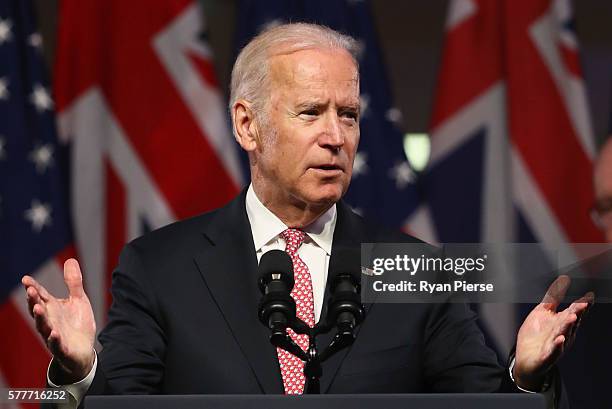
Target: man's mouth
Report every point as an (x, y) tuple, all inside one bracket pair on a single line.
[(327, 166), (328, 169)]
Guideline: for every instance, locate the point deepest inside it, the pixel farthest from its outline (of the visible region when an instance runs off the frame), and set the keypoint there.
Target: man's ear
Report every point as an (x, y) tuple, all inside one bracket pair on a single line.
[(246, 129)]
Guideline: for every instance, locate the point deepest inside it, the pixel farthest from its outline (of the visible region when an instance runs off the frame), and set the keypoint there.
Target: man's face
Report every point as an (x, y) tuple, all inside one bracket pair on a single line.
[(309, 141)]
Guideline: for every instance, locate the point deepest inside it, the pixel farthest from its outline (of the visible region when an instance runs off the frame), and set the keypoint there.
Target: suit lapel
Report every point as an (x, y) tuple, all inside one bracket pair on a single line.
[(229, 268)]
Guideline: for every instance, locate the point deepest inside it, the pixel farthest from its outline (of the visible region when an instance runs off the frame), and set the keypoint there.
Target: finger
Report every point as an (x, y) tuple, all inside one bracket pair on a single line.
[(42, 321), (33, 299), (42, 291), (559, 345), (73, 278), (555, 293), (581, 305), (589, 298), (573, 332), (566, 322), (26, 280), (578, 308)]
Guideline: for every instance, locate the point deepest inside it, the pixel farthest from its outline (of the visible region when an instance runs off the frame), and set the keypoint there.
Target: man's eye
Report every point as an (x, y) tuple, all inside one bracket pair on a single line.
[(350, 115), (310, 112)]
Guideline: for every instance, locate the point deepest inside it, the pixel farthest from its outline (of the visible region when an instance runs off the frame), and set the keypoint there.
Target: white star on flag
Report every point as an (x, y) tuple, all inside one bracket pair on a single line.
[(5, 31), (42, 156), (360, 165), (41, 99), (394, 115), (39, 215), (4, 93), (402, 173), (364, 102), (2, 148), (35, 40)]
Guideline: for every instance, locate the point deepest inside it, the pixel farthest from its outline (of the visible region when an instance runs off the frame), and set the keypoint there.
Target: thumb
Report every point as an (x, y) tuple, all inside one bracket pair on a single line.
[(556, 292), (73, 278)]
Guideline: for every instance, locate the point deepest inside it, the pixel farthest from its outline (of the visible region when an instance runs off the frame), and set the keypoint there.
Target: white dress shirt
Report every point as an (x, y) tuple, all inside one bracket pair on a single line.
[(315, 251)]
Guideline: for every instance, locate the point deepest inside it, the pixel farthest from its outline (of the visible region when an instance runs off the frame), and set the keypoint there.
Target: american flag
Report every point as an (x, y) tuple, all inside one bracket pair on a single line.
[(140, 110), (35, 233), (383, 184)]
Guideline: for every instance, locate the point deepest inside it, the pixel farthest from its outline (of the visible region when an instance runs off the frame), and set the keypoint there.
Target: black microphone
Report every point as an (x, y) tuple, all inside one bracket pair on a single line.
[(345, 309), (277, 307)]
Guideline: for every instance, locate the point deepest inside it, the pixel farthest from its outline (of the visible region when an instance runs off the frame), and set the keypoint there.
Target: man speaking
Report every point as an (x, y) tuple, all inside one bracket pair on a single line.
[(184, 313)]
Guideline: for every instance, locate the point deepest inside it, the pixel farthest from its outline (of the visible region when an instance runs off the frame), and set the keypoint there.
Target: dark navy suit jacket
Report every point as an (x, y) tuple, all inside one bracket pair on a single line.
[(184, 321)]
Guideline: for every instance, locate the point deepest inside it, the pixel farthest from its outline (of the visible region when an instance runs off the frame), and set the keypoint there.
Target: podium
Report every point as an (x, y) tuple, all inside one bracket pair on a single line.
[(369, 401)]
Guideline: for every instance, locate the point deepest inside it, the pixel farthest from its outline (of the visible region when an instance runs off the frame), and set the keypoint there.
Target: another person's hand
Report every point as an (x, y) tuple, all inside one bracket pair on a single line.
[(66, 325), (546, 334)]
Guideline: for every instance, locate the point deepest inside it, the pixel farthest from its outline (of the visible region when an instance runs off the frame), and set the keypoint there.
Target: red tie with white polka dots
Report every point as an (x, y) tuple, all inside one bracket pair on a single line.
[(292, 368)]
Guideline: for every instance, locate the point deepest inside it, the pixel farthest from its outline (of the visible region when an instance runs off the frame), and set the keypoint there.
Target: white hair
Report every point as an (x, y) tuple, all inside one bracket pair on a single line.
[(250, 75)]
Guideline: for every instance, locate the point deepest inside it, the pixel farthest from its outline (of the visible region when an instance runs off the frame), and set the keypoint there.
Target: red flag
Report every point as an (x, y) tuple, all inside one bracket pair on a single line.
[(138, 101)]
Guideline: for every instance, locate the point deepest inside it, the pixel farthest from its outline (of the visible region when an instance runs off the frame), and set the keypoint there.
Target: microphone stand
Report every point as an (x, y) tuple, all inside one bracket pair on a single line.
[(312, 359), (277, 312)]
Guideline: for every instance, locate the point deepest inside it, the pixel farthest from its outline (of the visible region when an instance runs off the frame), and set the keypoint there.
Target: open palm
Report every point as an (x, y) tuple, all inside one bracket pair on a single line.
[(66, 325), (546, 334)]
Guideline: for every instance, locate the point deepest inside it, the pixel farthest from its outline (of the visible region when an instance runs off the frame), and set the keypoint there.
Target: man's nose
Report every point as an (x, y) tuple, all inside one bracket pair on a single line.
[(333, 135)]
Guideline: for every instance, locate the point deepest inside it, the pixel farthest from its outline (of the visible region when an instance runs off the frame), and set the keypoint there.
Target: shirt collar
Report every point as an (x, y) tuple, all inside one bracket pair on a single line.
[(265, 226)]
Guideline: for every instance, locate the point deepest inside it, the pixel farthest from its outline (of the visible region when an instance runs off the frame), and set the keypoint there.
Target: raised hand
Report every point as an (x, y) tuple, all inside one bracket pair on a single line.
[(546, 334), (66, 325)]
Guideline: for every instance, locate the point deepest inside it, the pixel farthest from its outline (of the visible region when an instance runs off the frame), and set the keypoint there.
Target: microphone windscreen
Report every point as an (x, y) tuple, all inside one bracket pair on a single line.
[(276, 262), (346, 260)]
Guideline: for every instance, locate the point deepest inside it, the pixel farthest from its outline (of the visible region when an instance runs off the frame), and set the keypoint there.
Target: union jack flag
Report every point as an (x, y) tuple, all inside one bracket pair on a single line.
[(140, 110), (138, 100), (512, 146), (511, 123)]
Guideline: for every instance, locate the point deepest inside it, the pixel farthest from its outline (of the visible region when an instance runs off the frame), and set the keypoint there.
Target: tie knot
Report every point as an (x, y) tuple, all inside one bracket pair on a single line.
[(293, 239)]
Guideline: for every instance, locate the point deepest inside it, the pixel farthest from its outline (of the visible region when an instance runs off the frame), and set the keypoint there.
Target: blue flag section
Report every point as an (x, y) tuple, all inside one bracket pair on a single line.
[(383, 185), (34, 211)]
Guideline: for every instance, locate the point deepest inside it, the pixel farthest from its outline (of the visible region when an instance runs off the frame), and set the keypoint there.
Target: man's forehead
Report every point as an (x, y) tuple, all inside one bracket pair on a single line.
[(310, 67)]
